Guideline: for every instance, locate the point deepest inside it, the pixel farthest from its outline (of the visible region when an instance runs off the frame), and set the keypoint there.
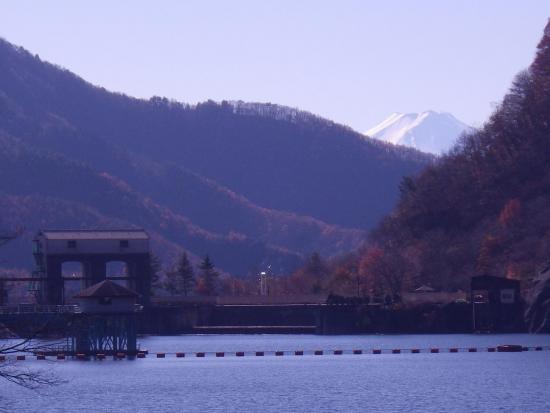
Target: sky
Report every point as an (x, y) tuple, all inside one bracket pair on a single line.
[(354, 62)]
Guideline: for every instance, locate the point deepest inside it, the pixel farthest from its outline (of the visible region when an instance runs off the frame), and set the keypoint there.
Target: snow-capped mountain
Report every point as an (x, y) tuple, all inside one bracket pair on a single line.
[(433, 132)]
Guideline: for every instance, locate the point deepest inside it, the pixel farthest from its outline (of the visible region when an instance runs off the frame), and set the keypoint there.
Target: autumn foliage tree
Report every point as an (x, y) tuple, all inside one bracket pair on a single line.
[(384, 271), (510, 212), (311, 277), (344, 278)]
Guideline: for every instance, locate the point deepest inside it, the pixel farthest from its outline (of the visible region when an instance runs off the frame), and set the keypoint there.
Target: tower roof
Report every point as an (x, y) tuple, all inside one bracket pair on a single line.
[(81, 234), (424, 289), (106, 288)]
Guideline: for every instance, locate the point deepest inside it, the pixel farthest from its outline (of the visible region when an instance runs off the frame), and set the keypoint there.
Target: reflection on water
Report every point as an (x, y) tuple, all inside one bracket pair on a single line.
[(472, 382)]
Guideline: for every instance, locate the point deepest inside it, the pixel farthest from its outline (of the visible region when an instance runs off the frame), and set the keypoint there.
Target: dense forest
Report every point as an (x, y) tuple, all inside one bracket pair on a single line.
[(483, 208), (253, 185)]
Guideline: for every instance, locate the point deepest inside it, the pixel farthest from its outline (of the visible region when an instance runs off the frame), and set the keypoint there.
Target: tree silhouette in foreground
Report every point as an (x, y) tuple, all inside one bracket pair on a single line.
[(15, 373)]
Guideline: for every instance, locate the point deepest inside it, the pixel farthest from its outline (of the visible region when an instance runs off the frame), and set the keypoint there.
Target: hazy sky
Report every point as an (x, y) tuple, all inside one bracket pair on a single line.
[(354, 62)]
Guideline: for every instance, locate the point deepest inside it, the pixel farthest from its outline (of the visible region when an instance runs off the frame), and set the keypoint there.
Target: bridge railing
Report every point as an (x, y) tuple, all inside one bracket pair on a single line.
[(37, 308)]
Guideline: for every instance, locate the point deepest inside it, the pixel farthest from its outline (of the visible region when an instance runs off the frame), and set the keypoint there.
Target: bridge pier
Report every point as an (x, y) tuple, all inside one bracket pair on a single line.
[(53, 286)]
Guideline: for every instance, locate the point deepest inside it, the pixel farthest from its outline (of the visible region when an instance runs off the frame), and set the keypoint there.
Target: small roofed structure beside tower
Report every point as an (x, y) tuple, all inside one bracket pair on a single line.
[(106, 297), (106, 320)]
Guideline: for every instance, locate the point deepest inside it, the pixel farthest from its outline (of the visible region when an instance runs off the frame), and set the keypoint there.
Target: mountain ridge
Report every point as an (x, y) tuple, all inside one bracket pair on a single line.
[(248, 188)]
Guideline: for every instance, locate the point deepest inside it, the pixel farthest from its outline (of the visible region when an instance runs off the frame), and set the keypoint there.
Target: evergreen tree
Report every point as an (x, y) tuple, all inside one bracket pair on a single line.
[(182, 279), (315, 265), (155, 267), (208, 279), (317, 269)]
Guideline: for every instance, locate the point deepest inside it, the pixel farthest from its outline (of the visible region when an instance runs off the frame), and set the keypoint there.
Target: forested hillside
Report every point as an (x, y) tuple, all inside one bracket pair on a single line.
[(485, 208), (482, 209), (250, 184)]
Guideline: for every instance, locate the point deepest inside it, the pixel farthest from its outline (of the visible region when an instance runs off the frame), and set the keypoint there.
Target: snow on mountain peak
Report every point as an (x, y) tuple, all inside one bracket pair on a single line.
[(430, 131)]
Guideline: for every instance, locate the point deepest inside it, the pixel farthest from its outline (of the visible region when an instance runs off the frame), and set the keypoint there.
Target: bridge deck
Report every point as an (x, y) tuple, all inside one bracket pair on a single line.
[(248, 329), (39, 309)]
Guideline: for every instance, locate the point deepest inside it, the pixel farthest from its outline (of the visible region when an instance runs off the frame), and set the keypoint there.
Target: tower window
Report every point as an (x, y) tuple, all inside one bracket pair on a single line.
[(124, 243), (71, 244)]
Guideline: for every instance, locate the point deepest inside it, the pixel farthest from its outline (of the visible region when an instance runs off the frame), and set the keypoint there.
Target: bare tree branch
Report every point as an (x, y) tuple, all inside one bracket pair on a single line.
[(15, 373), (7, 237), (29, 345), (24, 377)]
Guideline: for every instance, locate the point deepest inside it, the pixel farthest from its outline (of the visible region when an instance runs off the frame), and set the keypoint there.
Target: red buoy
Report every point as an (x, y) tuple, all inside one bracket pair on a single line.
[(434, 350), (299, 353), (338, 352), (396, 351), (376, 351), (61, 356), (161, 355), (259, 353), (453, 350), (20, 357), (357, 351), (140, 355), (120, 355), (472, 350), (100, 356), (180, 355), (220, 354), (239, 353), (491, 349), (41, 357), (201, 354), (510, 348), (318, 352), (415, 351), (279, 353)]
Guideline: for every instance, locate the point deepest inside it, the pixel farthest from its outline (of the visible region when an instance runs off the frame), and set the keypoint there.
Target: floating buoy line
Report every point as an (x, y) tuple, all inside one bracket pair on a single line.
[(507, 348)]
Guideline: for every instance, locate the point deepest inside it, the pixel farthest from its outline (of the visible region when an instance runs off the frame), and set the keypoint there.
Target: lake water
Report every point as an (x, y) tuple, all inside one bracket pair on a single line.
[(445, 382)]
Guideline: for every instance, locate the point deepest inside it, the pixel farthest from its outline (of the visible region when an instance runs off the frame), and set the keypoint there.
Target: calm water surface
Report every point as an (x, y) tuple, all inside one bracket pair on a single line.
[(463, 382)]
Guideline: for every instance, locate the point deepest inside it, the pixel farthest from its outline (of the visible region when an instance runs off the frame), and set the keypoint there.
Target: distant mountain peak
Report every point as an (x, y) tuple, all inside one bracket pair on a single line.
[(430, 131)]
